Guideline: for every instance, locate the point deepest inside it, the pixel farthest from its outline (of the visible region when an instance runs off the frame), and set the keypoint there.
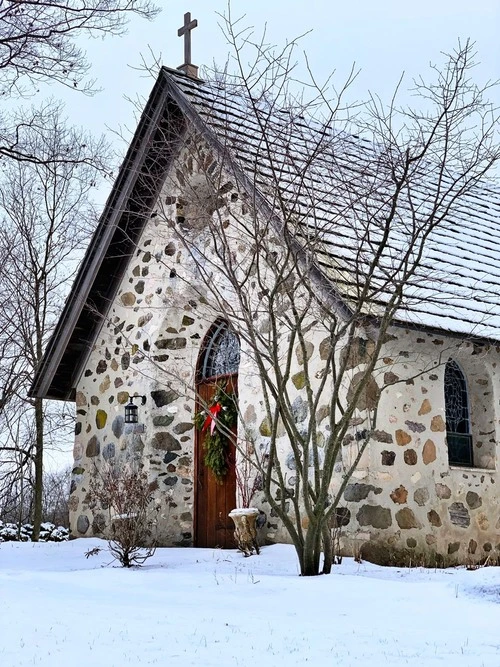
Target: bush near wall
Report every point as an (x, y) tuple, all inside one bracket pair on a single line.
[(49, 532)]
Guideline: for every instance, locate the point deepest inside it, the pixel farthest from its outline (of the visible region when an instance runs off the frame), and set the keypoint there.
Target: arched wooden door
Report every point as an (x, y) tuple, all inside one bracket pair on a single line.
[(217, 366)]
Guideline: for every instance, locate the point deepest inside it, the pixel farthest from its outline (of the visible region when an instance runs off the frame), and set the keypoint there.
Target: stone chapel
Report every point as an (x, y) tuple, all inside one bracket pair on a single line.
[(136, 323)]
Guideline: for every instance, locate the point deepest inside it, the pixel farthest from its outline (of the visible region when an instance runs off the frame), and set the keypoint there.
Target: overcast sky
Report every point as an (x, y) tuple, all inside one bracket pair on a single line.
[(384, 38)]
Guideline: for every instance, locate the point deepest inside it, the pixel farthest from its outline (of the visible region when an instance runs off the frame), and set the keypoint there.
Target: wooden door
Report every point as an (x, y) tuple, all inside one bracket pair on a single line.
[(214, 500)]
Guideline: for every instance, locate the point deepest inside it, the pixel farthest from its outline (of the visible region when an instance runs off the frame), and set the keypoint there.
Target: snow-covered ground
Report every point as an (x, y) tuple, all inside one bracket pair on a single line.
[(207, 607)]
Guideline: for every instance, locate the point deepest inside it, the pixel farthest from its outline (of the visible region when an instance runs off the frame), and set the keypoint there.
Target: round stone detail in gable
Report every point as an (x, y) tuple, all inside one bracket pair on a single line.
[(125, 360), (369, 396), (162, 397), (101, 367), (80, 399), (309, 349), (415, 427), (299, 380), (443, 491), (183, 427), (163, 420), (299, 410), (354, 493), (382, 436), (165, 442), (325, 348), (425, 408)]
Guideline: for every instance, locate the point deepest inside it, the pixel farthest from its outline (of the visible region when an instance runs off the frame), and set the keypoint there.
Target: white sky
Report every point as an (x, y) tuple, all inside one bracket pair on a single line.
[(384, 38)]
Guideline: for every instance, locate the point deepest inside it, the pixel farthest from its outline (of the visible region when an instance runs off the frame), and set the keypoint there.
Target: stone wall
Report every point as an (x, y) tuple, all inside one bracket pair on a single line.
[(148, 345), (408, 502), (405, 502)]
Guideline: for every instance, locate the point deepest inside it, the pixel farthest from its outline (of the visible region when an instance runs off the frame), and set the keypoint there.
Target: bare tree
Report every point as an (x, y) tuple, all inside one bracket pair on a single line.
[(17, 498), (48, 173), (38, 40), (55, 496), (39, 45), (313, 233), (47, 216), (127, 495)]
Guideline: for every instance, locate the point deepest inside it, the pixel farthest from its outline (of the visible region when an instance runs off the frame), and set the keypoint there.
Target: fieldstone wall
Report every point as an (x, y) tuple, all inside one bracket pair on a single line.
[(404, 497), (409, 503), (404, 502), (148, 345)]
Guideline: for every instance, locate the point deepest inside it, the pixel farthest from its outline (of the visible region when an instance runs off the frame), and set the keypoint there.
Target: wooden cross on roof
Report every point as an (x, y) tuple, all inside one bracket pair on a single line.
[(188, 68)]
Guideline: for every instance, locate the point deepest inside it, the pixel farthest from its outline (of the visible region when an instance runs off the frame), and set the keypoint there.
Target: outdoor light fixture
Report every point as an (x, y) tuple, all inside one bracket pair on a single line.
[(132, 411)]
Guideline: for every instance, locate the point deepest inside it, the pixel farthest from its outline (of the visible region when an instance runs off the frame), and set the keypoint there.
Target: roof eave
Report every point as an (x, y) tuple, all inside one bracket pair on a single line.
[(45, 381)]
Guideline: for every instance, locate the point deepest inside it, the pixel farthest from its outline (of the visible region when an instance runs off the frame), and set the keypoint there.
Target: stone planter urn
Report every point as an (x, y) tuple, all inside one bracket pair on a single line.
[(245, 529)]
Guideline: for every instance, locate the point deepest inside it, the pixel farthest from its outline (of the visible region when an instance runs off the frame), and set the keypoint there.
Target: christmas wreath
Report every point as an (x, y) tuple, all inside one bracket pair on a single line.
[(216, 421)]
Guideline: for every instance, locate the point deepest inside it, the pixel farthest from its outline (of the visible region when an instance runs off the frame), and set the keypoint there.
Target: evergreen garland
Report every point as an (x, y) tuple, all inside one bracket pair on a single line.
[(215, 422)]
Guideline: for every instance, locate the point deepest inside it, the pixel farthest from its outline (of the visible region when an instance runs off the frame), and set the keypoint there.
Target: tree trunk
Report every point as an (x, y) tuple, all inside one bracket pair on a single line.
[(37, 518), (318, 541), (21, 506), (312, 550), (327, 549)]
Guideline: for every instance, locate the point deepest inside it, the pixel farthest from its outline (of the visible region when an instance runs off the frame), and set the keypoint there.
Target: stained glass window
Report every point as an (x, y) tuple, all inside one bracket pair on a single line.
[(458, 435), (222, 352)]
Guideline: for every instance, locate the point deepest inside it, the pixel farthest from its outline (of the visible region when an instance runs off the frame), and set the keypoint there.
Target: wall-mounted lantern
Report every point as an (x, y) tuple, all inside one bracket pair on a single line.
[(132, 411)]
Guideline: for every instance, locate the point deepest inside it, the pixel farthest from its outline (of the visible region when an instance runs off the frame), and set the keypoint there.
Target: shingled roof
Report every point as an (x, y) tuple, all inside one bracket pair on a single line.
[(456, 288)]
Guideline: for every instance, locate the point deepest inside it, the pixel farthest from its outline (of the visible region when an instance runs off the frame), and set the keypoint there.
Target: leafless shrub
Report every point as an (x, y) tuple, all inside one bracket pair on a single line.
[(126, 493), (248, 481), (93, 552)]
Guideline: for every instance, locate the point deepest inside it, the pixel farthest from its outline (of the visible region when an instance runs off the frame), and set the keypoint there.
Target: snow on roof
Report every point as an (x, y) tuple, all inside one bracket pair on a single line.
[(341, 194)]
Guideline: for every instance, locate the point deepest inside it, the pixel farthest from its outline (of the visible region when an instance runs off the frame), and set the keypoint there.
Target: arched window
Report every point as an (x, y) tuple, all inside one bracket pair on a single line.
[(458, 427), (221, 352)]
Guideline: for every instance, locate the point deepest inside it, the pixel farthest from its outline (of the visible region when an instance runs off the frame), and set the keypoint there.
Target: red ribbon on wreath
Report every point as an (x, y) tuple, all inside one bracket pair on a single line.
[(211, 419)]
